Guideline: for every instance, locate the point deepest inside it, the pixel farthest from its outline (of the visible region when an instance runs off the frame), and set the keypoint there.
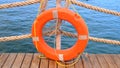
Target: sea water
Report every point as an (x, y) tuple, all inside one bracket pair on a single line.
[(18, 21)]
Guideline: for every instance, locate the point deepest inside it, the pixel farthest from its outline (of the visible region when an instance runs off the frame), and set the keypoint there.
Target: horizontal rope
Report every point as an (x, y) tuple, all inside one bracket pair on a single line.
[(104, 40), (94, 38), (17, 4), (29, 2), (95, 8), (11, 38)]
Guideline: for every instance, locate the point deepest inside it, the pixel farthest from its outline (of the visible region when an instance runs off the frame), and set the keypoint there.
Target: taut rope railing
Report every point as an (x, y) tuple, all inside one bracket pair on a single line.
[(96, 8), (93, 38), (11, 38), (17, 4), (29, 2)]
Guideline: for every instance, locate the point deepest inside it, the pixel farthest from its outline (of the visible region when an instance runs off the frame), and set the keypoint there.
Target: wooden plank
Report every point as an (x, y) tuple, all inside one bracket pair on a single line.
[(94, 61), (102, 61), (110, 61), (86, 61), (21, 60), (79, 64), (52, 64), (3, 58), (58, 2), (18, 61), (44, 63), (27, 60), (58, 41), (119, 55), (58, 34), (10, 60), (36, 61), (116, 60), (58, 24)]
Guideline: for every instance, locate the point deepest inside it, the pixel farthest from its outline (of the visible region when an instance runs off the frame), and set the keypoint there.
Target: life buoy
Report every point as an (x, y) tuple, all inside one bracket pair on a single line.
[(64, 14)]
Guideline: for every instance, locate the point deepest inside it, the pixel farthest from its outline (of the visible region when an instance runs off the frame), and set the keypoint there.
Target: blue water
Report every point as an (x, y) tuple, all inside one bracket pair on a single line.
[(18, 21)]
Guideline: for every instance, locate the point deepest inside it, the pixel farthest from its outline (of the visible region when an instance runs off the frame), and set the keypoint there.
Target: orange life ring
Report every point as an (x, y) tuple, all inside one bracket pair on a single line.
[(71, 17)]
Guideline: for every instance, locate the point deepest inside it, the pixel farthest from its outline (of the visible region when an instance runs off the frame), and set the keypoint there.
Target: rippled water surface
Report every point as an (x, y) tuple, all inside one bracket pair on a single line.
[(18, 21)]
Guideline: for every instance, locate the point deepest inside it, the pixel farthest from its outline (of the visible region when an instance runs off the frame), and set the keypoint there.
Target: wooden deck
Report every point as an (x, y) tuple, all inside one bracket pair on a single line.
[(31, 60)]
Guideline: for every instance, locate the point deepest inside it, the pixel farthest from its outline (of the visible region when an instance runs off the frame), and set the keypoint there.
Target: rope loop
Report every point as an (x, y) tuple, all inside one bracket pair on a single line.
[(69, 65), (41, 56)]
